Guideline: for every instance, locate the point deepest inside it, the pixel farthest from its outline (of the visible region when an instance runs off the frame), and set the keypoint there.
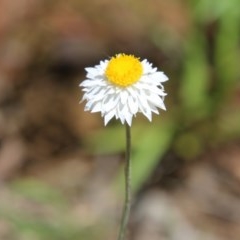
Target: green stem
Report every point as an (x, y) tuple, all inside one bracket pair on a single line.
[(127, 203)]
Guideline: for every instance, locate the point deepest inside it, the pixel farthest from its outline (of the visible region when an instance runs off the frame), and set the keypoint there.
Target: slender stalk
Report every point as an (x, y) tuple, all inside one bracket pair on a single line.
[(127, 203)]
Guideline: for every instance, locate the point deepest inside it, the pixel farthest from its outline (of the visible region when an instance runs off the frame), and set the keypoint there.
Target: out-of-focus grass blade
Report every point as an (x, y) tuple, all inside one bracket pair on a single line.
[(205, 10), (227, 57), (195, 80), (151, 143), (38, 191), (37, 211)]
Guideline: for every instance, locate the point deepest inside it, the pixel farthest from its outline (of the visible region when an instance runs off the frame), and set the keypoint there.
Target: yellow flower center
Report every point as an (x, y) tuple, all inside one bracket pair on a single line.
[(124, 70)]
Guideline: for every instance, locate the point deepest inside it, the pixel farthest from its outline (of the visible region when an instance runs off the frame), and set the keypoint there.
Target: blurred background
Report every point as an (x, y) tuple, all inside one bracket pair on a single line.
[(61, 170)]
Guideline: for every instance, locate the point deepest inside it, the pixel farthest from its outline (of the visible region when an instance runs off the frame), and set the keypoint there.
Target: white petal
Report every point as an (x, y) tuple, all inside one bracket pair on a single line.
[(159, 76), (100, 95), (91, 70), (108, 117), (87, 83), (133, 91), (143, 100), (147, 67), (102, 66), (133, 105), (94, 91), (150, 88), (124, 97), (128, 118), (110, 102), (92, 73), (146, 112), (88, 105), (153, 108), (120, 111), (97, 107), (157, 101)]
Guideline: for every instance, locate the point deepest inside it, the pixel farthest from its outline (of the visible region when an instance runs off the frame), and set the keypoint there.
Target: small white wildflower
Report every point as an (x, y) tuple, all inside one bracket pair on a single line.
[(123, 86)]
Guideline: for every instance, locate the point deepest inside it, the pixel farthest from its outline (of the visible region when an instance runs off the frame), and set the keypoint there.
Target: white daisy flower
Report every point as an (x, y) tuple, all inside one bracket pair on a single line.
[(123, 86)]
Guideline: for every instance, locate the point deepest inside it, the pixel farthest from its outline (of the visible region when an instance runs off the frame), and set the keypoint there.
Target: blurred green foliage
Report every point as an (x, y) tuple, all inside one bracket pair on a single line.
[(37, 211)]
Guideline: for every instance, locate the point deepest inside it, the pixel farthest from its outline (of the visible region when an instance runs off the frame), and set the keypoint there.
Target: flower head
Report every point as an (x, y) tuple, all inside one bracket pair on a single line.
[(123, 86)]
